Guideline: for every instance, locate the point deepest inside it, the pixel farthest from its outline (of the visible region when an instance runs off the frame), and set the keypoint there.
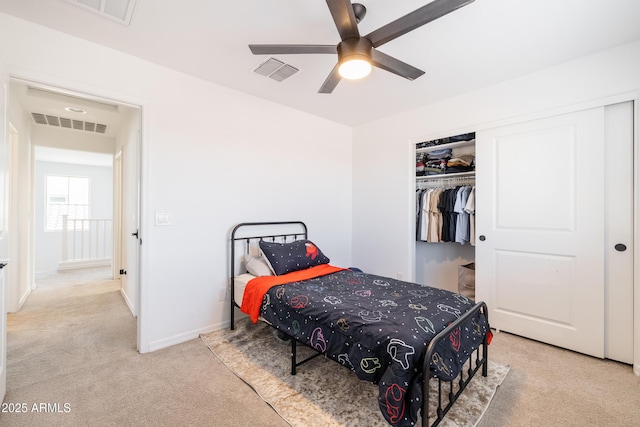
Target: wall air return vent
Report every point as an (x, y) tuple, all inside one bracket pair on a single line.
[(275, 69), (117, 10), (66, 123)]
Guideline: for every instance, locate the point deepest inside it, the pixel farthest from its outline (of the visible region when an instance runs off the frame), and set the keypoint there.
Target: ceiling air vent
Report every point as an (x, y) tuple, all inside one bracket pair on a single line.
[(117, 10), (39, 118), (275, 69), (63, 122)]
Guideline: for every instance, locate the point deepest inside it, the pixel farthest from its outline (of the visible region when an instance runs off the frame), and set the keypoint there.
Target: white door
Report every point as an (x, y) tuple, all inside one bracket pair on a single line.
[(619, 232), (540, 216), (130, 255)]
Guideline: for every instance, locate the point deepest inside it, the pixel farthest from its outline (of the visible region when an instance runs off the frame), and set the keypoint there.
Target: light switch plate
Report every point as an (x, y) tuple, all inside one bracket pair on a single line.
[(163, 218)]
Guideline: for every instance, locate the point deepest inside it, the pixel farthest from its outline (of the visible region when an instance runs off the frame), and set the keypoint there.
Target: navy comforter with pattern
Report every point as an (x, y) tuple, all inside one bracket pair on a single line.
[(379, 328)]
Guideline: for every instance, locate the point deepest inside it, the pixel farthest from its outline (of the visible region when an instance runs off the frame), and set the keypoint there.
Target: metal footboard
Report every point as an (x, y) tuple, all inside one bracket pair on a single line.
[(449, 391)]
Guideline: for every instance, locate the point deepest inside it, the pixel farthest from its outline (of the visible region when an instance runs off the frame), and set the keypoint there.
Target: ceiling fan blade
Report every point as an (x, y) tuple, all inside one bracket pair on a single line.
[(413, 20), (395, 66), (291, 49), (345, 19), (331, 82)]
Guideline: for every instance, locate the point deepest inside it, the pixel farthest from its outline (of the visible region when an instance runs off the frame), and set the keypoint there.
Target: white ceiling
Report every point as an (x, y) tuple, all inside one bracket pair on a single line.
[(481, 44), (42, 99)]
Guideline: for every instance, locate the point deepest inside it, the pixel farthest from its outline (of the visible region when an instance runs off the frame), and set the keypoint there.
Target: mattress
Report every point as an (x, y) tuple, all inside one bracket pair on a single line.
[(240, 282)]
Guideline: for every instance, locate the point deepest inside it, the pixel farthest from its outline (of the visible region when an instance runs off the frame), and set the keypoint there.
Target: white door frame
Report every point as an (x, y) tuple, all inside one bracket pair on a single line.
[(12, 275), (4, 134), (636, 237)]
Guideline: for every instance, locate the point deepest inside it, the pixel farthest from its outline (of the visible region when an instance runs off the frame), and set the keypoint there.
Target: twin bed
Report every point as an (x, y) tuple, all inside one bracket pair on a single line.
[(396, 334)]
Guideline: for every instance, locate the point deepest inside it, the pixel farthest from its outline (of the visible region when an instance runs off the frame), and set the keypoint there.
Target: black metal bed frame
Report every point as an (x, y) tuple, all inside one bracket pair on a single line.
[(445, 399)]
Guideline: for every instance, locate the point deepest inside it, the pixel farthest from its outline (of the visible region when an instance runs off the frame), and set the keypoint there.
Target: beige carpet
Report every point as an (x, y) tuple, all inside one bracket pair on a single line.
[(75, 345), (324, 393)]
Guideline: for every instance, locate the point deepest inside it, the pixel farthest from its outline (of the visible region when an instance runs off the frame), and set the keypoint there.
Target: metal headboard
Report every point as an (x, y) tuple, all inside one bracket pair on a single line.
[(247, 232)]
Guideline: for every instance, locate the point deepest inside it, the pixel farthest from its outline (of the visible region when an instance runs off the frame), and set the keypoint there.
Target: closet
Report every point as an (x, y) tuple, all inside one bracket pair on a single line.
[(445, 208), (554, 212)]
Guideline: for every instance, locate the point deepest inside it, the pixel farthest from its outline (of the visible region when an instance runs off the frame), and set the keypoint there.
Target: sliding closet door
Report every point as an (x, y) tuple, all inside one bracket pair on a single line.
[(539, 227), (619, 232)]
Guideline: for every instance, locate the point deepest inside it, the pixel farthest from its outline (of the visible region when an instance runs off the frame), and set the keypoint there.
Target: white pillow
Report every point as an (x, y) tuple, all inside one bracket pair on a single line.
[(254, 250), (257, 266)]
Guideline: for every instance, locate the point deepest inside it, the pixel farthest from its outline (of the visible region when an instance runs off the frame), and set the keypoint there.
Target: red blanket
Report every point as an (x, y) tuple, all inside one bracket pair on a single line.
[(256, 288)]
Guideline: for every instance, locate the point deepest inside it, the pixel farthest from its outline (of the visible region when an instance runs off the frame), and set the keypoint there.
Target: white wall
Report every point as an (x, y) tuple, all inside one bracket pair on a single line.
[(48, 244), (212, 157), (383, 202)]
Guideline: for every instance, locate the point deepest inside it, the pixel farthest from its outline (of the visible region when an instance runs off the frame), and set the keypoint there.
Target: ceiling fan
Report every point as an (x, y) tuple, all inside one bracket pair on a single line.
[(356, 54)]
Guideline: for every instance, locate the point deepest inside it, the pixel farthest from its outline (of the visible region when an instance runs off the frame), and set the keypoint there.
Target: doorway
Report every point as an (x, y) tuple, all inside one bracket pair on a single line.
[(63, 121)]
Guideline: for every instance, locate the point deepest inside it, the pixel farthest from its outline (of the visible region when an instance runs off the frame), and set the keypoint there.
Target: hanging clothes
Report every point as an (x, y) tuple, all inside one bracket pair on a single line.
[(446, 214)]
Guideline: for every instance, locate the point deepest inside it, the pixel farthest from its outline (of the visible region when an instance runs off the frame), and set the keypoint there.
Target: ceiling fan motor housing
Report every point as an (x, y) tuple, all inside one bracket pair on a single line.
[(355, 48)]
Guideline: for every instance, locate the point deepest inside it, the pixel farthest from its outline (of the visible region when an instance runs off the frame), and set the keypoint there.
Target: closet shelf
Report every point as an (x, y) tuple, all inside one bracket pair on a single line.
[(447, 145)]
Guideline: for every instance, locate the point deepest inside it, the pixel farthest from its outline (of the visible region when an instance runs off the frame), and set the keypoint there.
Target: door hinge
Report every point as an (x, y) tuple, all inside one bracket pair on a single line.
[(123, 271)]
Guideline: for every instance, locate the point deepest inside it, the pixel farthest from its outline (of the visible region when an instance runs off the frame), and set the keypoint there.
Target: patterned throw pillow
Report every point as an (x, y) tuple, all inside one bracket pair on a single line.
[(287, 257)]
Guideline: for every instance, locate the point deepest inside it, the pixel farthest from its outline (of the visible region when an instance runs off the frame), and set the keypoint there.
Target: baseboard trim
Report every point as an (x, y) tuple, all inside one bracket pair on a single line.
[(24, 297), (187, 336), (127, 301), (70, 265)]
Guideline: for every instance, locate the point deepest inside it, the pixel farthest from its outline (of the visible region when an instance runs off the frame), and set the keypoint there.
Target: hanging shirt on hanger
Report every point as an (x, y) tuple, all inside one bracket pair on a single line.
[(462, 220), (470, 208), (424, 216), (435, 217)]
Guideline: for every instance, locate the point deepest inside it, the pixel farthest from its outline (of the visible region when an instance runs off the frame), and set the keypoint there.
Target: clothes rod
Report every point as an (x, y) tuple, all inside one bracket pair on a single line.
[(443, 180)]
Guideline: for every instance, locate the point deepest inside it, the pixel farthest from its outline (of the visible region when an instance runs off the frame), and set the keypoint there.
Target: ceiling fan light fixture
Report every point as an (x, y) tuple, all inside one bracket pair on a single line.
[(355, 67), (354, 57)]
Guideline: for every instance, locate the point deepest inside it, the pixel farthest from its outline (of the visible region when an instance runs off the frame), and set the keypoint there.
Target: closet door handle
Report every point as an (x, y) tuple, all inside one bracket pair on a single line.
[(482, 238), (620, 247)]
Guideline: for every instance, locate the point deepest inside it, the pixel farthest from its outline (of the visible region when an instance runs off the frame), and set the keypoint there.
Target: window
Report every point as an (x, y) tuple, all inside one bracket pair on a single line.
[(66, 195)]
